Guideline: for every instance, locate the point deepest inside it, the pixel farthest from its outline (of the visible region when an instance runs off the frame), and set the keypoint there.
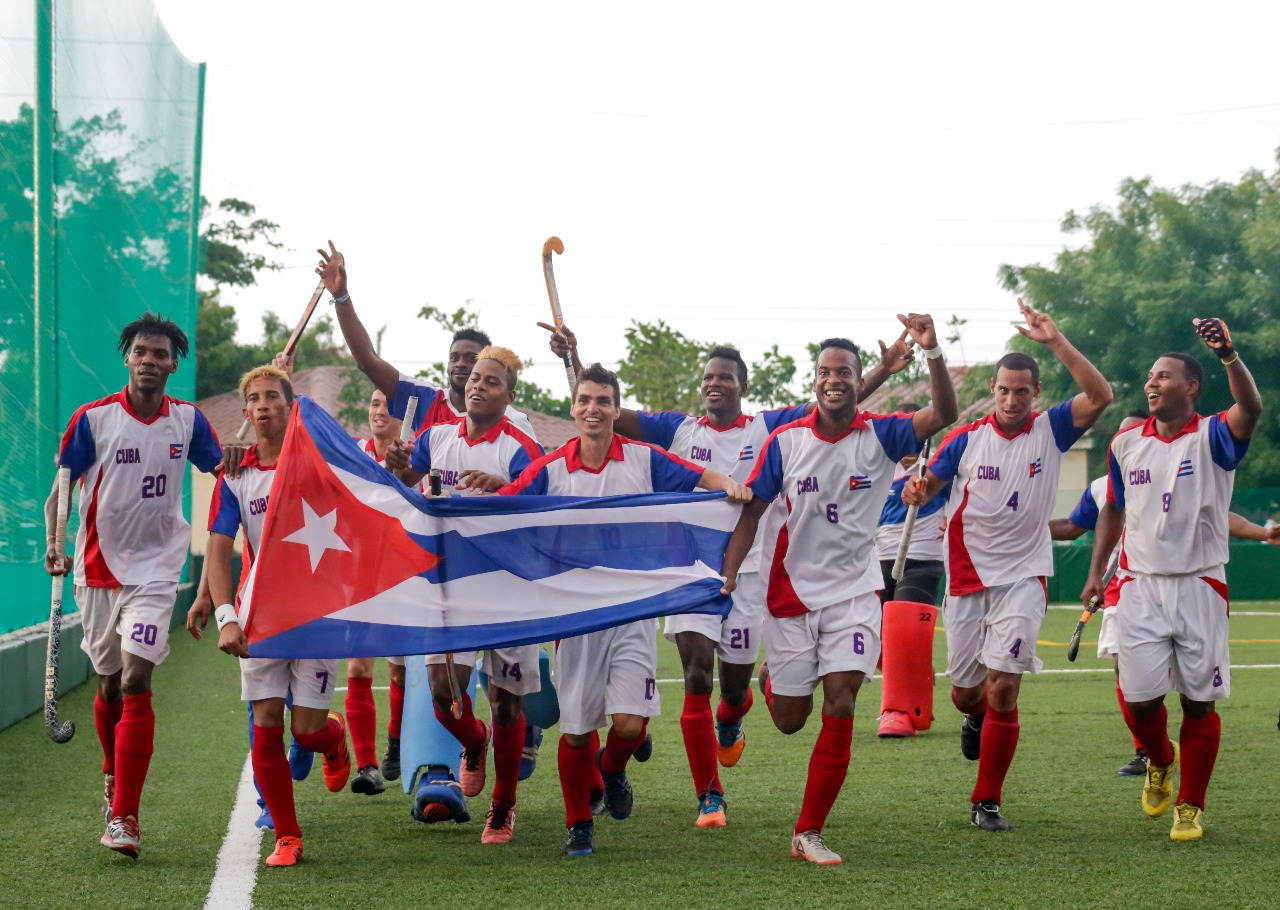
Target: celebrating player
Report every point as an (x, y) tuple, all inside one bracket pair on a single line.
[(728, 441), (1005, 470), (614, 667), (241, 502), (1170, 483), (129, 451), (831, 470)]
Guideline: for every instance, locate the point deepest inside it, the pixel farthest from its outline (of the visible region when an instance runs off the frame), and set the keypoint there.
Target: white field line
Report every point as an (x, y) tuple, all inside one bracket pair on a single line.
[(237, 870)]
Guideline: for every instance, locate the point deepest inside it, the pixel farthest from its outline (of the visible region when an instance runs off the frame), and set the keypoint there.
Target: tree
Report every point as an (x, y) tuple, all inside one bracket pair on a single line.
[(1158, 259), (663, 367), (769, 381)]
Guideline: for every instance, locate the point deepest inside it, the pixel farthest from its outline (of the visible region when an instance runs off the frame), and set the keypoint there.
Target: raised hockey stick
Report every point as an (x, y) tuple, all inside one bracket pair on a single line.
[(555, 245), (243, 433), (455, 691), (59, 732), (909, 525), (1074, 647)]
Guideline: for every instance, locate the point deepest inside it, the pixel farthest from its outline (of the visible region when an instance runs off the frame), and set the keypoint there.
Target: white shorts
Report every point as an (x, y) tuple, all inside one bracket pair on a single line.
[(738, 634), (310, 680), (994, 629), (133, 618), (1173, 635), (616, 667), (514, 670), (396, 660), (1108, 634), (803, 649)]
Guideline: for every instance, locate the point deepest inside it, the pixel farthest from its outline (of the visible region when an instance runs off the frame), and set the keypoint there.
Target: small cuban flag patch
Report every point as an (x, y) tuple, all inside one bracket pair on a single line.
[(175, 450), (747, 453), (1185, 468), (859, 481), (1034, 468)]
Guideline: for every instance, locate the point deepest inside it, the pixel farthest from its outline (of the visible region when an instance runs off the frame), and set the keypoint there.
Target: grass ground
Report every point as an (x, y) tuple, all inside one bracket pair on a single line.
[(901, 822)]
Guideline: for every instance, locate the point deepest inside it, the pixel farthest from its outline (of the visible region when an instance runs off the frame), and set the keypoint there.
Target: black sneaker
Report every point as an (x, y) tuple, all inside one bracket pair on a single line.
[(971, 737), (368, 781), (391, 761), (1136, 767), (617, 791), (580, 842), (597, 802), (987, 817), (645, 752)]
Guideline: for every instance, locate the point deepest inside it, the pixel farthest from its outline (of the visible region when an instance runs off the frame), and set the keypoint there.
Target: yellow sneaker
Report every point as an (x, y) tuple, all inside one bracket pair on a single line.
[(1157, 794), (1186, 822)]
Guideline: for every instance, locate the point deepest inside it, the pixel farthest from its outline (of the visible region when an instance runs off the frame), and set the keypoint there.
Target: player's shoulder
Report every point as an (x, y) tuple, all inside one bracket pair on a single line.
[(518, 435), (101, 405)]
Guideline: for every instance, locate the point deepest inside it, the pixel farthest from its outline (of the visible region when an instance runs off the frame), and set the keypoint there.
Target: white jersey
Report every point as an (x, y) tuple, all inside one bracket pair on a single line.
[(131, 472), (1175, 495), (1003, 492), (833, 489), (435, 407), (241, 502), (629, 467), (370, 447), (926, 535), (504, 451)]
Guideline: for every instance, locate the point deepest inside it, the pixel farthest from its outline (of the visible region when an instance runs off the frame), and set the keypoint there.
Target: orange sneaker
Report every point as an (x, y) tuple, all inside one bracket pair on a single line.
[(895, 725), (288, 852), (711, 811), (499, 825), (471, 774), (731, 739), (337, 764)]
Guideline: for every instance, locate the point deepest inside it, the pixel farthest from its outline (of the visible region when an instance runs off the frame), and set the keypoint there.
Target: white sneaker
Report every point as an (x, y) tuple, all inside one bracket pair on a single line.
[(123, 837), (810, 845), (108, 794)]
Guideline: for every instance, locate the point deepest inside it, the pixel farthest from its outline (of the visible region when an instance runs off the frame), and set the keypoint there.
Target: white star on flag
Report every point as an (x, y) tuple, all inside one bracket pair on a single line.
[(318, 533)]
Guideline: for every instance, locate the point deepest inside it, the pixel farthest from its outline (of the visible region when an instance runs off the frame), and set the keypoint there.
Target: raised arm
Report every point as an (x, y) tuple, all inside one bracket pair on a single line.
[(333, 271), (893, 359), (1095, 391), (942, 409), (1242, 416)]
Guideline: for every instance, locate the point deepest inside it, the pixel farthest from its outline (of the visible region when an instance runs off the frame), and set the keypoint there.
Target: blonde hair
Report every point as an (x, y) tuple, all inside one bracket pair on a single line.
[(267, 371), (507, 358)]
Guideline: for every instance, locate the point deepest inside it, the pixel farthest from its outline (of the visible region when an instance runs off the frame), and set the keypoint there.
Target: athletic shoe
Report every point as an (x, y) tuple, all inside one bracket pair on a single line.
[(529, 758), (391, 761), (499, 824), (581, 837), (618, 795), (987, 817), (597, 802), (711, 814), (122, 836), (971, 737), (337, 764), (265, 820), (288, 852), (300, 761), (369, 781), (731, 739), (897, 725), (810, 845), (471, 775), (439, 798), (644, 751), (1157, 794), (1136, 767), (1186, 822), (108, 794)]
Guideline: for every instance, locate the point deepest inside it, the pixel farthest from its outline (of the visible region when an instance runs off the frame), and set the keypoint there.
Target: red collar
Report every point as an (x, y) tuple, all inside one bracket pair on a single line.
[(573, 462), (810, 420), (250, 460), (124, 401), (1149, 428), (739, 422), (493, 434), (995, 425)]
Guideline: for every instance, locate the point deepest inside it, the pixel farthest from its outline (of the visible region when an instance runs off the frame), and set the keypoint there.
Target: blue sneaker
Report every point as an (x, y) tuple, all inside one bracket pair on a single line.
[(618, 795), (300, 761), (264, 819), (580, 842), (532, 743), (439, 798)]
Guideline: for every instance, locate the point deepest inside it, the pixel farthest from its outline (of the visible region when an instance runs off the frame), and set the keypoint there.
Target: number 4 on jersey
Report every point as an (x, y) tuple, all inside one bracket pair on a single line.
[(1013, 501)]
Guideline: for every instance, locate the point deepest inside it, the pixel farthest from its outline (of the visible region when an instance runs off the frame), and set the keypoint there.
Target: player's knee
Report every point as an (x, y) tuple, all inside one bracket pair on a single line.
[(396, 672), (506, 706), (135, 681), (360, 668), (1141, 710), (628, 726), (697, 679), (109, 687), (1196, 709)]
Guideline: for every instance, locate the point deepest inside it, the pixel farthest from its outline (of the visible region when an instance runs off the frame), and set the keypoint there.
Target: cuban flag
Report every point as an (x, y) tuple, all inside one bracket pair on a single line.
[(1185, 468), (353, 563)]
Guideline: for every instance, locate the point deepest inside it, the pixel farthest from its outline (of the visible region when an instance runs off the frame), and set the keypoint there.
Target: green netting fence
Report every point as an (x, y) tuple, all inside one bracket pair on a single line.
[(99, 179)]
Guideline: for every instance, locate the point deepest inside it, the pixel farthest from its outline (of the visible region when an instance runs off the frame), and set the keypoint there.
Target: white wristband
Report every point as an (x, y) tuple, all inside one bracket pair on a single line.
[(343, 299), (934, 353), (225, 614)]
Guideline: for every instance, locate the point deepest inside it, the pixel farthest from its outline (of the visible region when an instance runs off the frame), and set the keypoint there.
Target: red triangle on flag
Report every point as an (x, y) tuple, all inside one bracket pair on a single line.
[(322, 550)]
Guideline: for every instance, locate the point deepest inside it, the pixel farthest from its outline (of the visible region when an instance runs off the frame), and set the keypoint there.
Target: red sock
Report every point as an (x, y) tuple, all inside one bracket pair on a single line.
[(325, 740), (699, 743), (397, 709), (575, 781), (1127, 715), (618, 751), (999, 742), (731, 714), (828, 766), (106, 714), (1198, 743), (1153, 733), (593, 746), (979, 710), (465, 729), (362, 720), (508, 749), (271, 771), (135, 741)]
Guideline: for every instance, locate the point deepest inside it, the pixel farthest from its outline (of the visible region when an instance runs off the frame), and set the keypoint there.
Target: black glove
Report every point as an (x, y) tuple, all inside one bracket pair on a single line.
[(1217, 336)]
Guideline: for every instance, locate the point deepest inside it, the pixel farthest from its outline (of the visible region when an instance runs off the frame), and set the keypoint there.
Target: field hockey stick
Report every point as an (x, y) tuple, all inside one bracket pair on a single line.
[(908, 526), (555, 245), (243, 433), (1074, 647), (455, 691), (59, 732)]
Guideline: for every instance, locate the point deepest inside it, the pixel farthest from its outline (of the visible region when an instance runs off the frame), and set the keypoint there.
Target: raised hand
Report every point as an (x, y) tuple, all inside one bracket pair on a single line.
[(1216, 335), (919, 326), (333, 271), (896, 356), (1040, 326), (563, 341)]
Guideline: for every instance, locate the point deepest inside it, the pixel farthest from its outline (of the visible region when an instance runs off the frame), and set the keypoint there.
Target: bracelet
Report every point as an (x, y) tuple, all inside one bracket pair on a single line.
[(1234, 357), (343, 299), (225, 614), (934, 353)]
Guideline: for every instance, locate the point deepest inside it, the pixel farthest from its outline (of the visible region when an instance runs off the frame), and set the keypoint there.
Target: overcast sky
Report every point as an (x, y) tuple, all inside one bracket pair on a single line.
[(750, 173)]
